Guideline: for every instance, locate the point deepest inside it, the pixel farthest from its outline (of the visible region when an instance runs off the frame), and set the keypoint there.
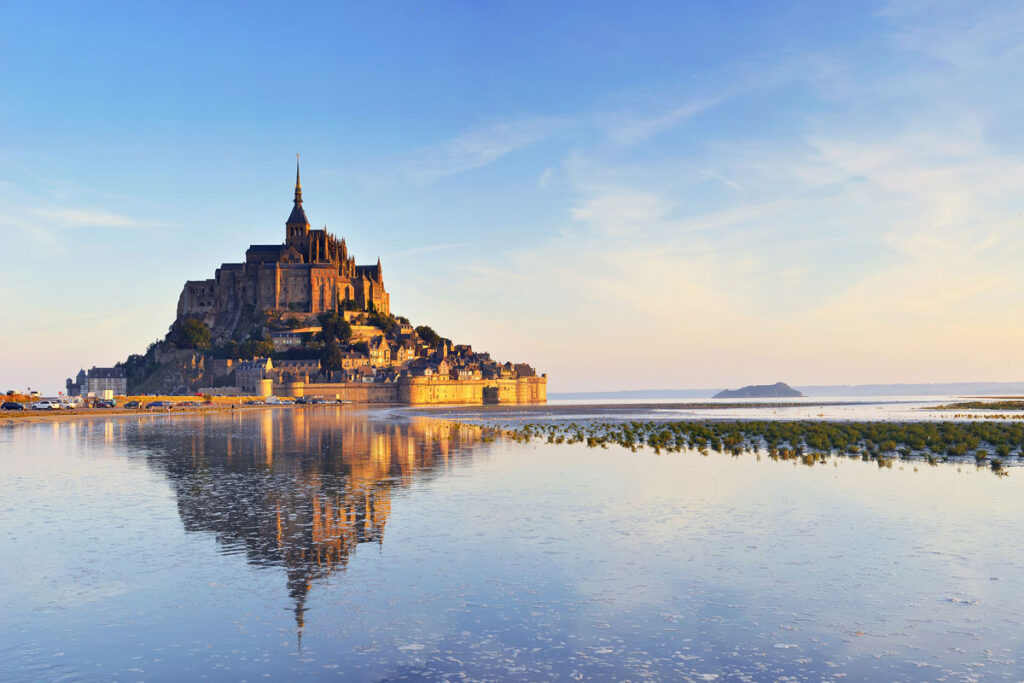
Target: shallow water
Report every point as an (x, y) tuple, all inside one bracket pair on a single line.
[(329, 542), (883, 409)]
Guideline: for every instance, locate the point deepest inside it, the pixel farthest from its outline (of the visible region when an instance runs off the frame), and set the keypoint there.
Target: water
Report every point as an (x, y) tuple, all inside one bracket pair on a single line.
[(331, 542), (885, 409)]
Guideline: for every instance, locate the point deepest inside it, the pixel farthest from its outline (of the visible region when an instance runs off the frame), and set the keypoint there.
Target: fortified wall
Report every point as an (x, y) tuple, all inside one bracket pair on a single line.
[(426, 391)]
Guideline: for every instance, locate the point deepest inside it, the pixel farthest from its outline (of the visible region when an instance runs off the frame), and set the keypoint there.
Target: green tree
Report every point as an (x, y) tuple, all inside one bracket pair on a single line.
[(427, 334), (189, 334), (386, 323), (331, 356), (334, 327), (256, 348)]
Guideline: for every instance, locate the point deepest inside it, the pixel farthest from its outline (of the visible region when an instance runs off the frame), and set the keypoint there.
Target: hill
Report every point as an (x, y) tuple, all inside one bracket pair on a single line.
[(777, 390)]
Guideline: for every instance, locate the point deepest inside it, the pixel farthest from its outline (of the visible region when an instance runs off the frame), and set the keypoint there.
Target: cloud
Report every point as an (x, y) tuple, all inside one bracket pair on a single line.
[(475, 148), (631, 130), (424, 250), (88, 217), (545, 177)]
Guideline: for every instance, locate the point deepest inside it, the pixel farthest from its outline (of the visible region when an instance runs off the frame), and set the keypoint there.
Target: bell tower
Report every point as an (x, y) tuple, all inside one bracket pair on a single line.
[(297, 227)]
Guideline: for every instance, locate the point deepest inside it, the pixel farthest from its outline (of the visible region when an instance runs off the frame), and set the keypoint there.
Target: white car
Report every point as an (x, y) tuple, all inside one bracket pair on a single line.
[(45, 405)]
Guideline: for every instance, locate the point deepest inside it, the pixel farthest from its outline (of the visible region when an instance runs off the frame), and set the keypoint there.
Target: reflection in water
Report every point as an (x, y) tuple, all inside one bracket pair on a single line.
[(526, 562), (299, 489)]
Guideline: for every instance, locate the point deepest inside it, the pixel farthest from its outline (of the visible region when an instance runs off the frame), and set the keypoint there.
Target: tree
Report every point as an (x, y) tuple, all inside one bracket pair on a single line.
[(334, 327), (331, 356), (383, 322), (256, 348), (191, 333), (429, 337)]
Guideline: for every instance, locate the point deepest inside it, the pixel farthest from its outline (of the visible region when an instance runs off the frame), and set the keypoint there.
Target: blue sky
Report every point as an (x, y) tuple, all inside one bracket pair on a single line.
[(627, 195)]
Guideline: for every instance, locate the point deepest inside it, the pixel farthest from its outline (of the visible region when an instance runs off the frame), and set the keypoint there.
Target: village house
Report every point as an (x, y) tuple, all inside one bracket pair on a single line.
[(250, 373), (98, 380)]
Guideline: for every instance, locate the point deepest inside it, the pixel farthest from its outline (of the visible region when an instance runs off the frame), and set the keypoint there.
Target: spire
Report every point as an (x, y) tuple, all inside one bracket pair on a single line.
[(297, 219)]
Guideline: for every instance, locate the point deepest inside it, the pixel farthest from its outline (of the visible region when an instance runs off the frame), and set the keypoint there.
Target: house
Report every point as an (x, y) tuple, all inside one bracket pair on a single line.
[(300, 368), (250, 373), (402, 351), (350, 360), (380, 352), (285, 340), (97, 381)]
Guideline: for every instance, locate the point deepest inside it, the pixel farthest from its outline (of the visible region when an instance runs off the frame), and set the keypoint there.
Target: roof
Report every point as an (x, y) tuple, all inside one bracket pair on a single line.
[(372, 272), (524, 370), (106, 373), (299, 363), (297, 216)]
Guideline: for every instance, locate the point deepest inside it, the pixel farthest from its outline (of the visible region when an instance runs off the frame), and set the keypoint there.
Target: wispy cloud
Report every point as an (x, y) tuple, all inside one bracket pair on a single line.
[(73, 217), (475, 148), (425, 250), (630, 129), (545, 177)]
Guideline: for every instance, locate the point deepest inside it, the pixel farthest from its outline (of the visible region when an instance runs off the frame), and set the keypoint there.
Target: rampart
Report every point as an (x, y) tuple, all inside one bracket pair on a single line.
[(425, 391)]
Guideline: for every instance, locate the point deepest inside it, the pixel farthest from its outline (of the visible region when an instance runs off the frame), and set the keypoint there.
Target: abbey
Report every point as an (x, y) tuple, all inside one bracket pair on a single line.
[(311, 272)]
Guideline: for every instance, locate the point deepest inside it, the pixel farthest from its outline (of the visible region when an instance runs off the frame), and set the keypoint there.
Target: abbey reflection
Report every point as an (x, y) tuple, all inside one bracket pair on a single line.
[(299, 489)]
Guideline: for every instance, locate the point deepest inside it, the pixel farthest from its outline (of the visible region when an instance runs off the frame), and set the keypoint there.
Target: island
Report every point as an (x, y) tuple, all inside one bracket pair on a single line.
[(303, 319), (777, 390)]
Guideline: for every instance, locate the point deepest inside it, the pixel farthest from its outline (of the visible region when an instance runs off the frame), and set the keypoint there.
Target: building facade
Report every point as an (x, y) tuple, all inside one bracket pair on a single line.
[(311, 272), (98, 380)]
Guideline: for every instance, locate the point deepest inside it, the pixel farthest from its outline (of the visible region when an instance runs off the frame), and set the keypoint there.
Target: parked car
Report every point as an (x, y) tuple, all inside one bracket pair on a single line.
[(254, 403), (132, 404), (104, 403), (158, 404), (187, 404), (13, 405), (45, 405)]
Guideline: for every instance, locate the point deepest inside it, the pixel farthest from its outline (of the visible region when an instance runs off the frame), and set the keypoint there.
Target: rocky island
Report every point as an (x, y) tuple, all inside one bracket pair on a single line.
[(777, 390), (302, 318)]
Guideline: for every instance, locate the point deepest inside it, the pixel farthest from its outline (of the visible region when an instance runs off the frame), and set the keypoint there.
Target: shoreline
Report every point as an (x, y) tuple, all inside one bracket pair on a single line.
[(12, 418)]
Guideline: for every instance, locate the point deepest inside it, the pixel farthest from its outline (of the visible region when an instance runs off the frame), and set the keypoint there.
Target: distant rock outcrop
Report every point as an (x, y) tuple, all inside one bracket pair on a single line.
[(777, 390)]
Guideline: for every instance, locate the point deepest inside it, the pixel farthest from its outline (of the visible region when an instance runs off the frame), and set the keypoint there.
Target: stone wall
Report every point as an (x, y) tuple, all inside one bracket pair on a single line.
[(426, 391)]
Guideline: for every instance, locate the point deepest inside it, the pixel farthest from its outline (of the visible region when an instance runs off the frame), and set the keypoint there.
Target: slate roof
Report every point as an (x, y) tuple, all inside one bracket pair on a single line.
[(297, 216), (106, 373)]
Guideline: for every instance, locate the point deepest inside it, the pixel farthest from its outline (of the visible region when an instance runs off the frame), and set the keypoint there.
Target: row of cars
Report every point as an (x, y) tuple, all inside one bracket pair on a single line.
[(166, 405), (97, 403), (38, 405), (302, 400)]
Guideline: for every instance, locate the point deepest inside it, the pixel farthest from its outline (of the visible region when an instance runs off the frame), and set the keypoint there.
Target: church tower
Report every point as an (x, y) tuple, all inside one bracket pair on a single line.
[(297, 227)]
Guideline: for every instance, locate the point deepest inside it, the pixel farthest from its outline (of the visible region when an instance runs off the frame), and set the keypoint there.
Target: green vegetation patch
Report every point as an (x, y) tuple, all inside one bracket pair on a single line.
[(981, 405), (807, 441)]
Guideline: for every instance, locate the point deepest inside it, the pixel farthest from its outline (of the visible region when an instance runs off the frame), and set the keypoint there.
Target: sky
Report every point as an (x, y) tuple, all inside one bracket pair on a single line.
[(625, 195)]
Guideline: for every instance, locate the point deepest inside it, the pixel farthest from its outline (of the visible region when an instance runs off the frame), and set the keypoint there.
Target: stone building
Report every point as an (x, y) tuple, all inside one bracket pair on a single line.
[(250, 373), (98, 380), (311, 272)]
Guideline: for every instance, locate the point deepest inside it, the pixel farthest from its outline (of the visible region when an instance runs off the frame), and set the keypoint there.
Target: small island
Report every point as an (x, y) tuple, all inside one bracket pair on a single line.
[(299, 319), (777, 390)]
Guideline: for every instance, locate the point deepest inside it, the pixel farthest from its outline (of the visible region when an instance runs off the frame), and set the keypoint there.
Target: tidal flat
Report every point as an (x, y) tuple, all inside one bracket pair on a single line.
[(340, 543)]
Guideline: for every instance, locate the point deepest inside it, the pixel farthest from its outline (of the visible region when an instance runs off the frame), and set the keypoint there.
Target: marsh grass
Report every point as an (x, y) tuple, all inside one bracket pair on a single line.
[(807, 442)]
